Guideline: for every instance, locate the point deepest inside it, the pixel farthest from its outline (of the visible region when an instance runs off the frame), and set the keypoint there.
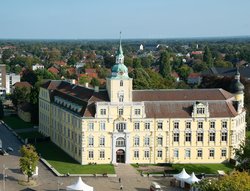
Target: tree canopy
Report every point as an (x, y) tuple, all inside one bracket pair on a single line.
[(29, 159)]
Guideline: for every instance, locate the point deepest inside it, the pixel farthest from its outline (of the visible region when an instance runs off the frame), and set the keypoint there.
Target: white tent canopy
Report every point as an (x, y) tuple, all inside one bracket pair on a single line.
[(182, 175), (80, 186), (192, 179)]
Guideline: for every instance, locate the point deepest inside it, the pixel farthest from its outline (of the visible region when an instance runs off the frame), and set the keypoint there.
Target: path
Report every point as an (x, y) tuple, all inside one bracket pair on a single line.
[(131, 177)]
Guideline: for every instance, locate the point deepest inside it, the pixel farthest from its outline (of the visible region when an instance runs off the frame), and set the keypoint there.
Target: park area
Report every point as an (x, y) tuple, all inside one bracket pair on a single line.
[(16, 123)]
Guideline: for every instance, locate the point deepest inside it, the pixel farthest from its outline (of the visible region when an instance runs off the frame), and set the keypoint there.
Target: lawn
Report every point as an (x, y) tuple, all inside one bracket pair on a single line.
[(30, 135), (204, 168), (196, 168), (64, 164), (16, 123)]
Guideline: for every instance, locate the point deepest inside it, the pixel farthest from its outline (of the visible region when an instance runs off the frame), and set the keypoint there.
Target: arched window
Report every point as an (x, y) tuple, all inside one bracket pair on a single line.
[(121, 83), (120, 142)]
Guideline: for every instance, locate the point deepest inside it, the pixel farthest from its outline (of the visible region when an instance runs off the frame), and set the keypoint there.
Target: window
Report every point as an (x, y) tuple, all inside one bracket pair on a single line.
[(103, 112), (91, 126), (211, 153), (136, 141), (159, 125), (120, 111), (102, 126), (120, 142), (212, 124), (146, 141), (200, 136), (121, 83), (136, 125), (120, 127), (91, 141), (187, 153), (188, 125), (91, 154), (102, 154), (102, 141), (224, 124), (200, 124), (136, 154), (176, 125), (199, 153), (121, 98), (224, 136), (176, 153), (212, 136), (159, 154), (146, 154), (147, 126), (223, 152), (159, 141), (188, 136), (200, 110), (176, 137), (137, 112)]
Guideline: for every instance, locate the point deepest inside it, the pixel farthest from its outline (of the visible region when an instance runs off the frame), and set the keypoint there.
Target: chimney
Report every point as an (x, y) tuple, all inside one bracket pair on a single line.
[(96, 88)]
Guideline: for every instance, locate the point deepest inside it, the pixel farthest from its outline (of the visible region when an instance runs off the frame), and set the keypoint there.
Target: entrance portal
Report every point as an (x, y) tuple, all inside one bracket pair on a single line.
[(120, 156)]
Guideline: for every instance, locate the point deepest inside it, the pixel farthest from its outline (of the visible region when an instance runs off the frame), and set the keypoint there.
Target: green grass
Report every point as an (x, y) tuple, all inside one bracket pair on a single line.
[(204, 168), (196, 168), (64, 164), (16, 123), (33, 134)]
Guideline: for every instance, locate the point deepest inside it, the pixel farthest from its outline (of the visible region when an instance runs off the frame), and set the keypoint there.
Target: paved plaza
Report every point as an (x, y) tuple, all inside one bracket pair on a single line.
[(47, 181)]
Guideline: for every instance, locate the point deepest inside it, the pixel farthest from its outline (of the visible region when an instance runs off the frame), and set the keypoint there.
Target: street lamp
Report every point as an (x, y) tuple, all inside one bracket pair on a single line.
[(4, 176)]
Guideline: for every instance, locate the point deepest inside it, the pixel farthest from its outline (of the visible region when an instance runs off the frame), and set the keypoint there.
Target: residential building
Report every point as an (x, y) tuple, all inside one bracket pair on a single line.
[(37, 66), (122, 125), (2, 79), (11, 79)]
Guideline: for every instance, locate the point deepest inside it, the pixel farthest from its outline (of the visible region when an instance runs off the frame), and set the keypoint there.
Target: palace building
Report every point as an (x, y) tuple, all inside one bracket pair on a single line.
[(122, 125)]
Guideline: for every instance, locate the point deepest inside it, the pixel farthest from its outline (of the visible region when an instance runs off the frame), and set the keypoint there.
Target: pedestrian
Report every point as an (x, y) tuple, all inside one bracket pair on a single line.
[(121, 187), (120, 180)]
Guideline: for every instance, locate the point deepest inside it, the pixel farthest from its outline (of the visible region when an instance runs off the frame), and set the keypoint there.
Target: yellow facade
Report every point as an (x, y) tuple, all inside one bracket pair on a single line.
[(121, 129)]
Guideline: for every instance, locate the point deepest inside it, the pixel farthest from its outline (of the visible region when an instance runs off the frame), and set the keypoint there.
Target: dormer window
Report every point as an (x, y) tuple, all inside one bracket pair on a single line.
[(121, 83), (200, 110)]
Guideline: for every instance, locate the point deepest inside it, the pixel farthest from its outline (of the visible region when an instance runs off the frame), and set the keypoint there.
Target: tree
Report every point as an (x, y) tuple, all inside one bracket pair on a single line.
[(184, 71), (20, 95), (207, 57), (1, 110), (83, 80), (95, 82), (137, 63), (242, 155), (165, 67), (239, 181), (28, 161)]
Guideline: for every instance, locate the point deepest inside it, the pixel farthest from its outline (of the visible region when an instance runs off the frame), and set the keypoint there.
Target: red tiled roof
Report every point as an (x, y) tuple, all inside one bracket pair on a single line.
[(22, 84), (194, 75), (53, 70), (71, 70), (90, 70), (175, 75), (181, 95), (196, 52), (60, 63)]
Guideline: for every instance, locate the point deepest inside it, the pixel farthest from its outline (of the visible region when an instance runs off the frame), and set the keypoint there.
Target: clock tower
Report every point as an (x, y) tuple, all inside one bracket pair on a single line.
[(119, 84)]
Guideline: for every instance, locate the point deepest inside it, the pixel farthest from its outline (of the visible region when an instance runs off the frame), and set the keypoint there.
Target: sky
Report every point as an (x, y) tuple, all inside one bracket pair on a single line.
[(104, 19)]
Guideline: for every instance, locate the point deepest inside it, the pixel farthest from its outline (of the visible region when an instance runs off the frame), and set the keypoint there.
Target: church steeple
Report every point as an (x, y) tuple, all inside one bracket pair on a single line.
[(119, 53)]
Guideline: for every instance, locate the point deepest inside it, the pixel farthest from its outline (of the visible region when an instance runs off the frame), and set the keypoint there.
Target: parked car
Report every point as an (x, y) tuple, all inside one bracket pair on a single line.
[(9, 149), (3, 152), (155, 187)]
